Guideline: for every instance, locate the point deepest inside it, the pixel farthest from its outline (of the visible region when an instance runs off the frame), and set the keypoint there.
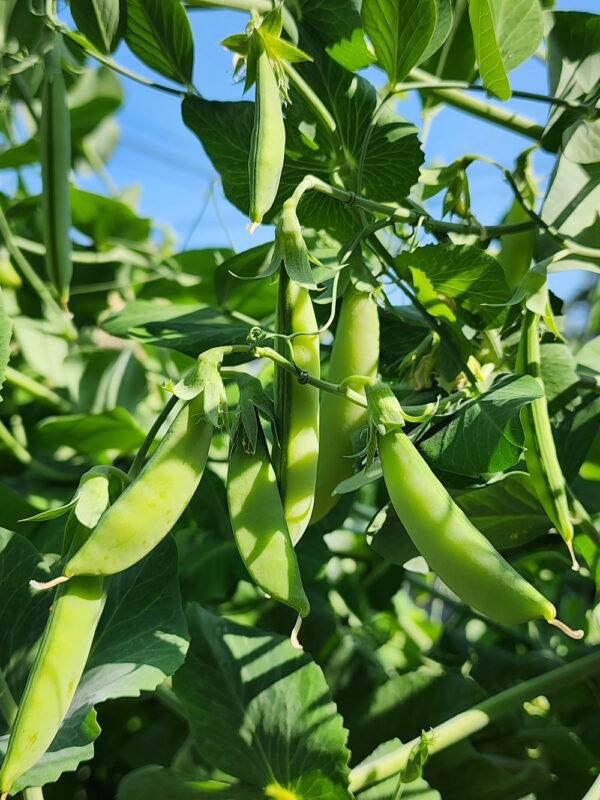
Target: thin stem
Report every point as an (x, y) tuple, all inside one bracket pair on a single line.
[(151, 435), (471, 105), (37, 390), (474, 719), (32, 277), (311, 98), (116, 255), (262, 6)]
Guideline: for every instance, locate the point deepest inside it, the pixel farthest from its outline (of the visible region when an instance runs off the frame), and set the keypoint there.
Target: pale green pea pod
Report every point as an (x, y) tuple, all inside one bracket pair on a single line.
[(355, 352), (259, 524), (267, 145), (540, 451), (55, 158), (296, 406), (452, 546), (152, 503)]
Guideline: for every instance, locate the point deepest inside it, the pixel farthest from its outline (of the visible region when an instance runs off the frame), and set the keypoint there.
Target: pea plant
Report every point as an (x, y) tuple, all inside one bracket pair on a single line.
[(318, 519)]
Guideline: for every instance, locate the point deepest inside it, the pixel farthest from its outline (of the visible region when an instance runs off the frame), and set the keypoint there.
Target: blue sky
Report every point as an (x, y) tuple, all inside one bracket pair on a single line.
[(160, 155)]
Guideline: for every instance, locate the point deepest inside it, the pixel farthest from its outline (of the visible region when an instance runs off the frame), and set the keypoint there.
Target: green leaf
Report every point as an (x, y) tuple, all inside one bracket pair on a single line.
[(443, 26), (338, 26), (400, 31), (102, 21), (102, 218), (159, 783), (189, 329), (159, 33), (141, 639), (6, 327), (483, 436), (473, 281), (572, 201), (489, 58), (559, 375), (93, 433), (260, 710)]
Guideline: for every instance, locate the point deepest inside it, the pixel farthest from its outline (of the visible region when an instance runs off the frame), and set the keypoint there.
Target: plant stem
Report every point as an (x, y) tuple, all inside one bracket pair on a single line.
[(479, 108), (37, 390), (151, 435), (474, 719), (33, 793), (33, 278), (365, 147), (262, 6), (311, 98), (117, 254)]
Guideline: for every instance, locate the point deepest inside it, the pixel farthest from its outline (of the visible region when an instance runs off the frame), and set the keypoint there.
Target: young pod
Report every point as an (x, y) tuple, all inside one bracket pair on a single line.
[(296, 406), (55, 158), (149, 507), (267, 145), (540, 452), (259, 524), (355, 352), (452, 546)]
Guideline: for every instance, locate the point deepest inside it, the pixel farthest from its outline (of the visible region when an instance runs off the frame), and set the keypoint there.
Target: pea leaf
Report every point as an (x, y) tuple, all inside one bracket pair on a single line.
[(93, 433), (400, 31), (103, 218), (159, 33), (337, 25), (157, 783), (483, 436), (141, 639), (102, 21), (260, 710), (443, 26)]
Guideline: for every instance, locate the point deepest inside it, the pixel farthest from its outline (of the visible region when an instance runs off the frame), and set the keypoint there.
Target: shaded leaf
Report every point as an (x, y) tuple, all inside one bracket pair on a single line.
[(102, 21), (93, 433), (159, 33)]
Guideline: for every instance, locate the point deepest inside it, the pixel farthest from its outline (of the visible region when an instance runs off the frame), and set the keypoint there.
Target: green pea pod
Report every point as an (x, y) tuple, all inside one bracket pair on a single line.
[(452, 546), (58, 666), (540, 452), (149, 507), (296, 406), (355, 352), (259, 525), (267, 145), (55, 157)]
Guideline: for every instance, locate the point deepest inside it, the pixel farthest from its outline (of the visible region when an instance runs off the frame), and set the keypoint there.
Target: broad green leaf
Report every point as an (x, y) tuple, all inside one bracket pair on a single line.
[(189, 277), (141, 639), (5, 336), (559, 375), (159, 783), (103, 218), (400, 31), (489, 58), (589, 355), (483, 436), (572, 201), (260, 710), (443, 26), (99, 379), (159, 33), (189, 329), (14, 508), (471, 281), (338, 26), (93, 433), (575, 434), (43, 350), (102, 21)]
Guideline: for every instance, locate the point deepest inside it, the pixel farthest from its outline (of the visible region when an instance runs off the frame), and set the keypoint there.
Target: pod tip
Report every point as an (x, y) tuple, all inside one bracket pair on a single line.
[(251, 228), (565, 629), (3, 796), (574, 562), (40, 587), (294, 634)]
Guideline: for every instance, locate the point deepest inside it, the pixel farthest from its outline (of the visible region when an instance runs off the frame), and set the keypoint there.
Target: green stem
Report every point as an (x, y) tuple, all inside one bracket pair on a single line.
[(479, 108), (474, 719), (151, 435), (37, 390), (33, 793), (311, 98), (33, 278), (8, 707), (262, 6), (365, 147)]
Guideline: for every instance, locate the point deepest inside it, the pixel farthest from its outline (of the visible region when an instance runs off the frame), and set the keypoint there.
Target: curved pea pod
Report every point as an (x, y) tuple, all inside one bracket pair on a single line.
[(259, 525), (355, 352), (267, 145), (55, 675), (452, 546), (149, 507), (540, 452), (296, 407), (55, 158)]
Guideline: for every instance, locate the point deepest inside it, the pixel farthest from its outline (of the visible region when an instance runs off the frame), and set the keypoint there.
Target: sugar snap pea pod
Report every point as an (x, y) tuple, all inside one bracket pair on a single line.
[(56, 671), (267, 145), (355, 352), (55, 158), (296, 406), (152, 503), (452, 546), (259, 525), (540, 451)]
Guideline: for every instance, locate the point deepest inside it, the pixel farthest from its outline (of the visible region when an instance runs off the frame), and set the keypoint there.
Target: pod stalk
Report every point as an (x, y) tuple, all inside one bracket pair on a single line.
[(565, 629), (41, 587)]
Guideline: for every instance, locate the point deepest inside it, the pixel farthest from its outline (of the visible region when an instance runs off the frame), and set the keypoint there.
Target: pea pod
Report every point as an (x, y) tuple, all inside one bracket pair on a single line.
[(55, 158), (296, 406), (355, 352), (149, 507), (452, 546), (56, 671), (267, 145), (540, 452), (259, 525)]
